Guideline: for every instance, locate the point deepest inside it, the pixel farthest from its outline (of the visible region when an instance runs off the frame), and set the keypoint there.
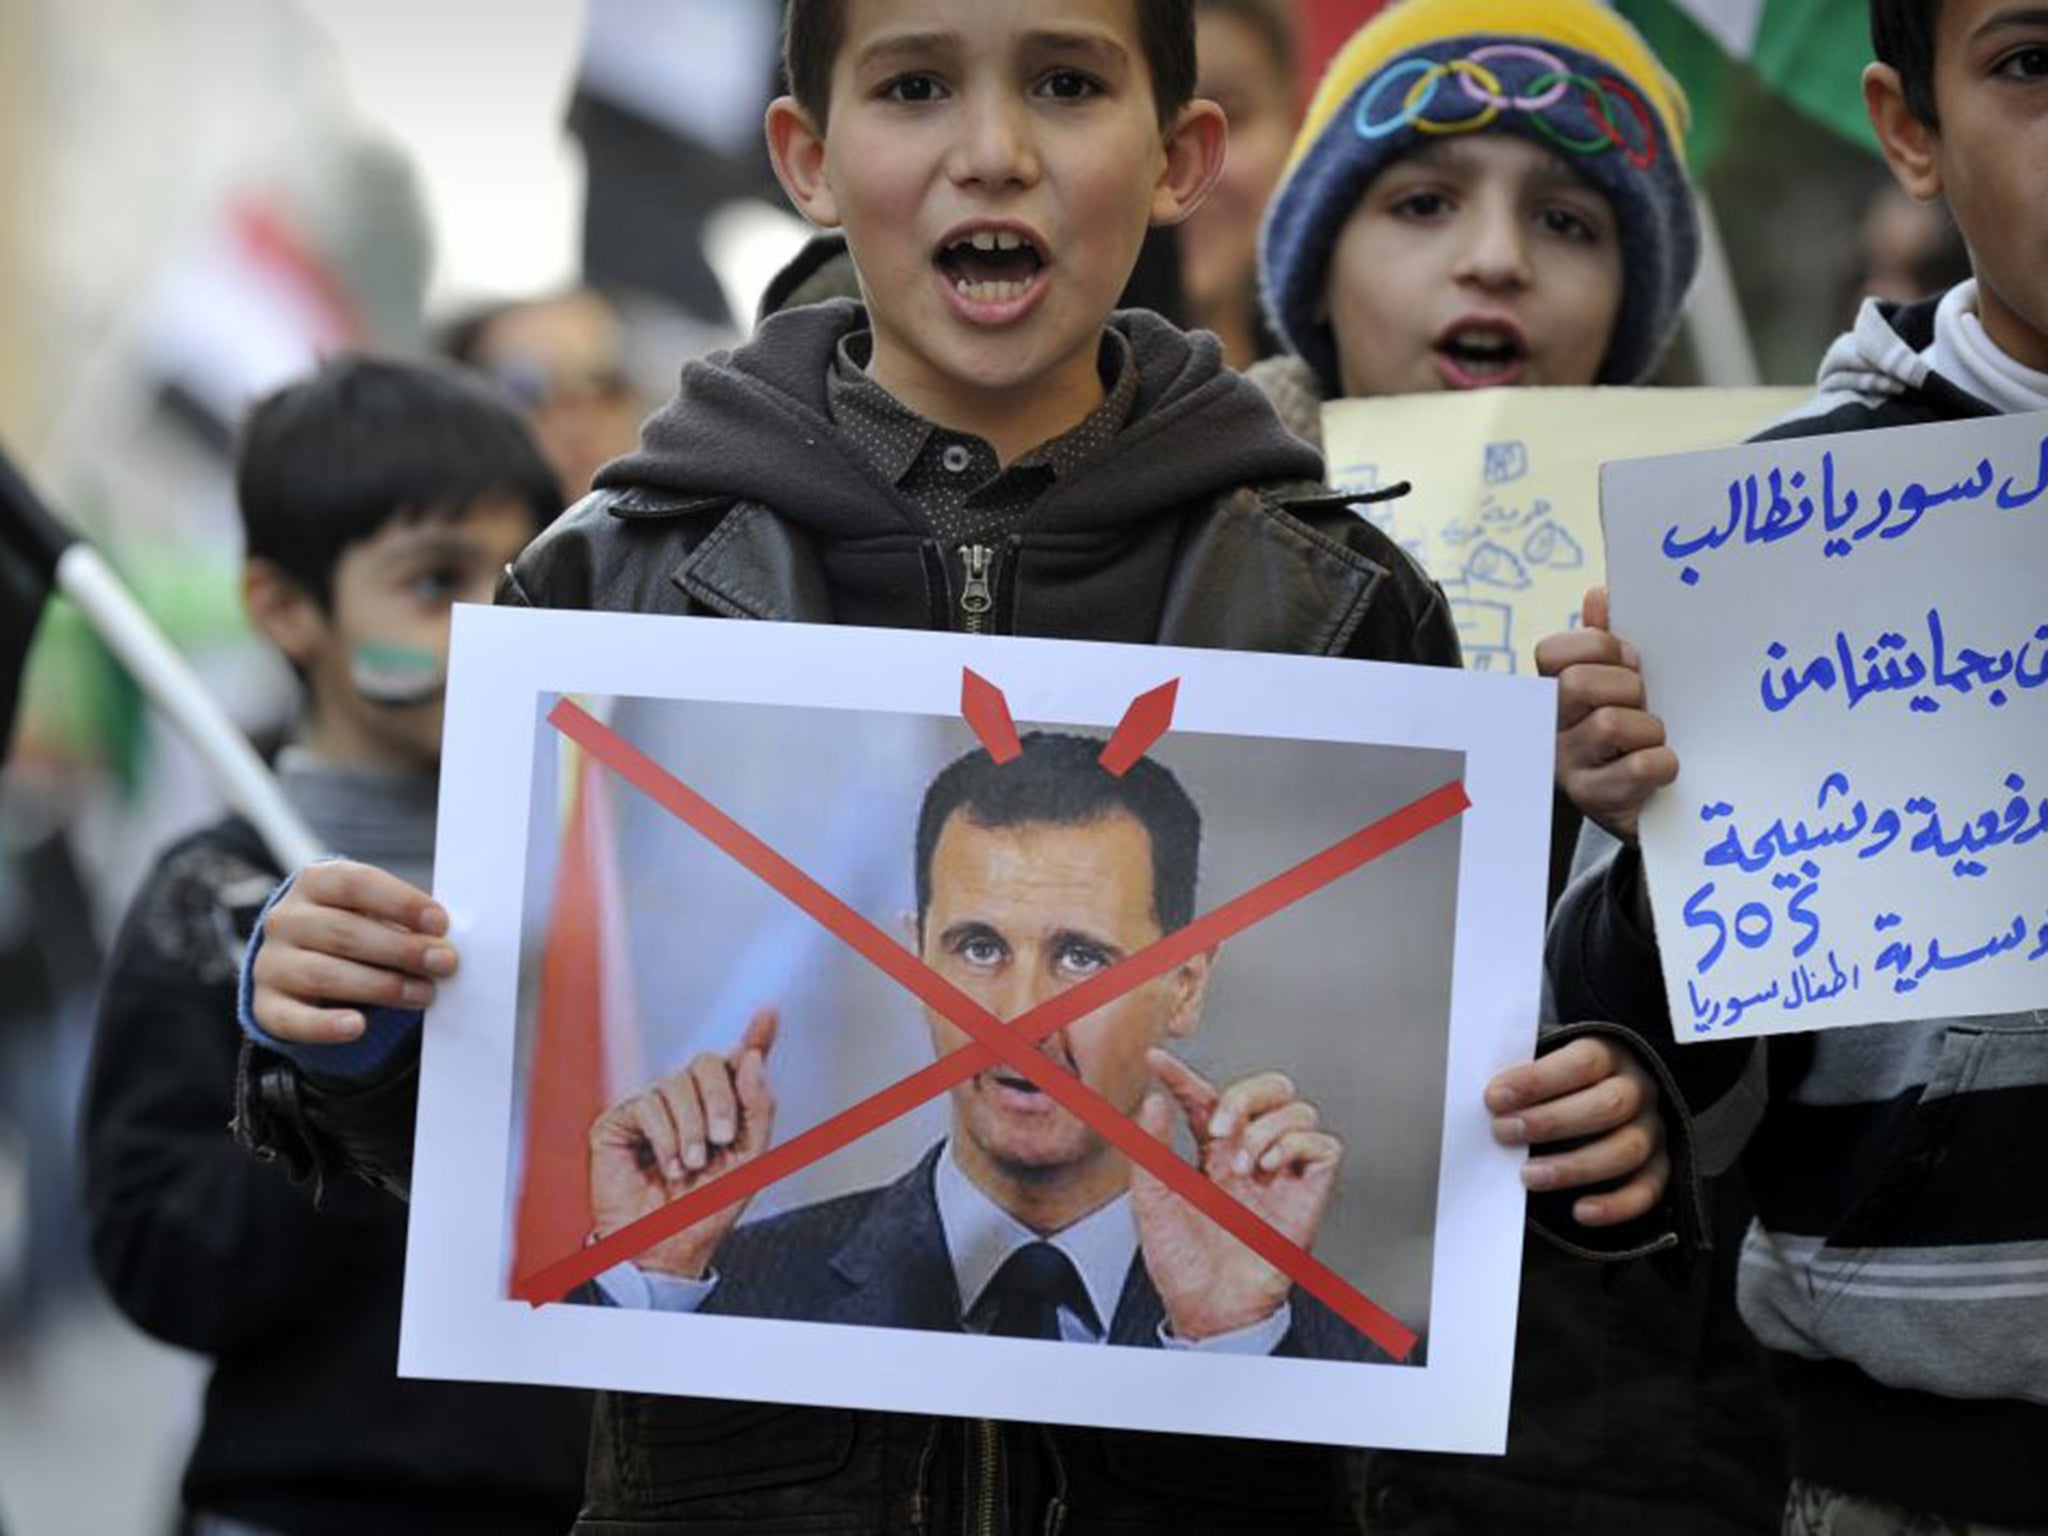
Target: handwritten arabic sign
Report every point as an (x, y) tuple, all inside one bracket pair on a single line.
[(1847, 638), (1504, 510)]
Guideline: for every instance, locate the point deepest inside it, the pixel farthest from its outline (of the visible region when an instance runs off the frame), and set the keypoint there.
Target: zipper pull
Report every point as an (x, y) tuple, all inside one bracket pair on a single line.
[(975, 598)]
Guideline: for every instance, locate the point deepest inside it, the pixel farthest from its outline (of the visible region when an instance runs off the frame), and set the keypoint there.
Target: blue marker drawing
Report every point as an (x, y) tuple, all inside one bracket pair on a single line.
[(1486, 633), (1551, 546), (1506, 461), (1494, 566)]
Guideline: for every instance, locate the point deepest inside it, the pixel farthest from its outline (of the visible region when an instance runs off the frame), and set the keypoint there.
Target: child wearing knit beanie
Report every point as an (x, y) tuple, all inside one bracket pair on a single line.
[(1483, 193), (1489, 193)]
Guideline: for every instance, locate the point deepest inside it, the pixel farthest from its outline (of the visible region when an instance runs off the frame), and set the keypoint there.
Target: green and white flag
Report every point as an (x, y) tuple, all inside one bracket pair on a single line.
[(1811, 52)]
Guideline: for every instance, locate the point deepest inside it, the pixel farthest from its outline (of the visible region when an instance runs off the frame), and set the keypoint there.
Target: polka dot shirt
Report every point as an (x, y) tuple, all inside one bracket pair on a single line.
[(953, 478)]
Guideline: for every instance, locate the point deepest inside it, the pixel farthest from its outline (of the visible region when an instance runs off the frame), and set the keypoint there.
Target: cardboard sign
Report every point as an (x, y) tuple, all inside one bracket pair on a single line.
[(1505, 507), (706, 871), (1847, 638)]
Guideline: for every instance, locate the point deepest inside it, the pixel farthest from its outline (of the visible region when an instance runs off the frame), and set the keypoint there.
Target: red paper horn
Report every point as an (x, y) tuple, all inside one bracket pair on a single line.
[(1143, 724), (988, 712)]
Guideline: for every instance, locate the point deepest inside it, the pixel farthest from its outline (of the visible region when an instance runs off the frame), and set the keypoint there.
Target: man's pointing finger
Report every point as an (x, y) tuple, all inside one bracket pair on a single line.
[(1196, 1095), (759, 1036)]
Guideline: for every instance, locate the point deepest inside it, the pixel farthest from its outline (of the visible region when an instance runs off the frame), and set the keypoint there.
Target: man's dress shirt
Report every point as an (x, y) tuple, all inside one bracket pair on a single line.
[(980, 1236)]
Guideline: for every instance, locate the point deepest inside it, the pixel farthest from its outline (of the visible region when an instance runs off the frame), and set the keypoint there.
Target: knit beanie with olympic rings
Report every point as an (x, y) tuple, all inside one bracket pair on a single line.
[(1570, 75)]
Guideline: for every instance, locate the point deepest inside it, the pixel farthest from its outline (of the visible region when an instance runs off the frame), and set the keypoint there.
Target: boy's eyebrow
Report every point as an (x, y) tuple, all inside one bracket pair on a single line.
[(899, 44), (1450, 155), (1103, 45), (427, 539), (2031, 16)]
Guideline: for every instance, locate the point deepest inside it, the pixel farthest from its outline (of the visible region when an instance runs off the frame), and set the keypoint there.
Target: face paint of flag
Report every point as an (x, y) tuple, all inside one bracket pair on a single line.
[(397, 675)]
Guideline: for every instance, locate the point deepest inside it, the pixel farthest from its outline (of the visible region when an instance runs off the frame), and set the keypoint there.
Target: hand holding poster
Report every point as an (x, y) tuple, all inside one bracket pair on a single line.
[(1505, 509), (1191, 964), (1847, 640)]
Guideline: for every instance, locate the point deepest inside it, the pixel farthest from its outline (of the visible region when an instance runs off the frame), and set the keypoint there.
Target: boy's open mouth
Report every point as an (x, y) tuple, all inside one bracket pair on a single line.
[(1476, 354), (991, 266)]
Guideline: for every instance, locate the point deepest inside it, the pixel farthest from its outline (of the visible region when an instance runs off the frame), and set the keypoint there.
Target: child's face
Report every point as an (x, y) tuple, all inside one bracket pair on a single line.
[(376, 660), (1219, 246), (994, 164), (1989, 158), (1477, 261)]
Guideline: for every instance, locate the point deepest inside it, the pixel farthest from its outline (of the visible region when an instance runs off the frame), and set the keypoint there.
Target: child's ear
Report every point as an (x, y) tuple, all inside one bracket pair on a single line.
[(796, 146), (1194, 159), (1909, 145), (282, 611)]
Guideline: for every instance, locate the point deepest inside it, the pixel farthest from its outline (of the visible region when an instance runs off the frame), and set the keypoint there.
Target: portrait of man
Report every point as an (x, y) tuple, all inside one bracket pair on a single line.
[(1032, 875)]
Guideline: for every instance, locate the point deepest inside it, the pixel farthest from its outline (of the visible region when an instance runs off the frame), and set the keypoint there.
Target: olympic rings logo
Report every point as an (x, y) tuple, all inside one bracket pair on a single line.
[(1484, 97)]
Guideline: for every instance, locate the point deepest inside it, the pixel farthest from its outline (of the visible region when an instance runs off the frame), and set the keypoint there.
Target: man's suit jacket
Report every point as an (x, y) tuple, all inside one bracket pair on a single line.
[(878, 1257)]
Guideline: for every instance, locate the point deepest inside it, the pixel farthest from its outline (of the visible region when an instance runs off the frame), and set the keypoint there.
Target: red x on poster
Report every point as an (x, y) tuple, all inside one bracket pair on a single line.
[(1012, 1043)]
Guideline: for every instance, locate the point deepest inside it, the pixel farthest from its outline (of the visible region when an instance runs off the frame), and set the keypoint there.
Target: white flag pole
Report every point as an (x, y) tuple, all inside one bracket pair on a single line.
[(77, 570)]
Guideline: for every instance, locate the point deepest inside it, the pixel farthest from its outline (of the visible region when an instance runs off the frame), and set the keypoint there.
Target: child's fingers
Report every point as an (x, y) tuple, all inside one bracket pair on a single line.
[(346, 935), (1608, 735), (1593, 610), (326, 979), (1556, 654), (371, 891), (1615, 793), (1578, 1064), (1618, 1155), (285, 1018), (1638, 1197), (1613, 1101), (1588, 688)]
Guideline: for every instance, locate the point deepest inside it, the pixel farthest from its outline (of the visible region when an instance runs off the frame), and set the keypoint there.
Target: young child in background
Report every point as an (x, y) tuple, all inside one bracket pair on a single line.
[(1245, 53), (373, 495), (1909, 1151), (1484, 193), (1488, 194)]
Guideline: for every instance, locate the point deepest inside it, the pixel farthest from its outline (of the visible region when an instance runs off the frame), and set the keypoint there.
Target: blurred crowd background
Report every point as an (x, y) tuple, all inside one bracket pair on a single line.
[(200, 198)]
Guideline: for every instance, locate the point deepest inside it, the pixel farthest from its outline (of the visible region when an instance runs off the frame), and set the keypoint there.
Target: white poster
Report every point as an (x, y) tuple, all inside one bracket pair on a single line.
[(1847, 638), (995, 1027)]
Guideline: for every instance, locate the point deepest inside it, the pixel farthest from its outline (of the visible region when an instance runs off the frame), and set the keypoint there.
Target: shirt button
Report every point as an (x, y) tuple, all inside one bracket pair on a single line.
[(956, 458)]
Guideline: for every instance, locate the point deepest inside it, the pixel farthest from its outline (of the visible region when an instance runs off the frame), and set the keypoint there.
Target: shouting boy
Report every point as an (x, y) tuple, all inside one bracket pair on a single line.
[(982, 446), (1896, 1268)]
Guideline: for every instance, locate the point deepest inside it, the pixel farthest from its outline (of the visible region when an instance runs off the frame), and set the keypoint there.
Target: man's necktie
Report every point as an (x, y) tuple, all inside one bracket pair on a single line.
[(1028, 1291)]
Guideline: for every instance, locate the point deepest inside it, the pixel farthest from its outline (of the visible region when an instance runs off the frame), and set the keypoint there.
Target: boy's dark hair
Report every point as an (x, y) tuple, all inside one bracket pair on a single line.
[(1902, 35), (1058, 781), (327, 461), (813, 30)]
